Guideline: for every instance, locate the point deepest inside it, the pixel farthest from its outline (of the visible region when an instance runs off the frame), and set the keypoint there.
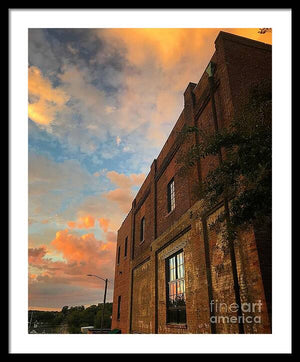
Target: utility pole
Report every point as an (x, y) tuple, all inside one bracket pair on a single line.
[(104, 298)]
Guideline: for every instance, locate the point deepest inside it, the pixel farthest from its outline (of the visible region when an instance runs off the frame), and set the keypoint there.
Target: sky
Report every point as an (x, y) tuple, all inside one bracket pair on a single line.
[(101, 105)]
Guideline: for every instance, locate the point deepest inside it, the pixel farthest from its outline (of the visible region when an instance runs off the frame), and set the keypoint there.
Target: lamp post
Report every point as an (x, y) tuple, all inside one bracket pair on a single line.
[(104, 299)]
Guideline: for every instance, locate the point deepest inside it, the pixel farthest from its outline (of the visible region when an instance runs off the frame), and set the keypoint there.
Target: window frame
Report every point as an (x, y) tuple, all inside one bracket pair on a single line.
[(119, 307), (178, 309), (125, 246), (119, 254), (171, 202), (142, 229)]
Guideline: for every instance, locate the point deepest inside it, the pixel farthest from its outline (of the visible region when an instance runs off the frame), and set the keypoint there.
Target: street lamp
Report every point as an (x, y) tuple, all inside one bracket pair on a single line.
[(104, 299)]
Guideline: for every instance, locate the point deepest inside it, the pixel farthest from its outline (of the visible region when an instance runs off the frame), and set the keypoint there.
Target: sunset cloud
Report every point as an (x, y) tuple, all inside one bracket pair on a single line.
[(123, 198), (169, 46), (84, 248), (35, 255), (100, 207), (165, 45), (111, 236), (85, 222), (45, 100), (104, 223), (124, 181), (123, 195), (83, 254)]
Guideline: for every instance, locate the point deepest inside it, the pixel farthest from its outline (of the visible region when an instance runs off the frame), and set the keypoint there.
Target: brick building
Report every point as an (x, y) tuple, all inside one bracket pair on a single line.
[(172, 273)]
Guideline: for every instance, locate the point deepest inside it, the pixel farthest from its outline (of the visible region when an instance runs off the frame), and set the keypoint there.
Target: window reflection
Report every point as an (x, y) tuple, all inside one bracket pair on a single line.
[(176, 289)]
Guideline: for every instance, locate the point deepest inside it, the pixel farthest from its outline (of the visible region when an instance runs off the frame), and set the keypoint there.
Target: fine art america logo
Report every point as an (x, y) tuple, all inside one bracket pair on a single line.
[(249, 312)]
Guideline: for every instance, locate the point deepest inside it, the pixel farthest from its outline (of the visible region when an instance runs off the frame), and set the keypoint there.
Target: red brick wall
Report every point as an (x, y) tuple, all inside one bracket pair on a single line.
[(248, 62), (122, 278), (144, 207), (182, 198)]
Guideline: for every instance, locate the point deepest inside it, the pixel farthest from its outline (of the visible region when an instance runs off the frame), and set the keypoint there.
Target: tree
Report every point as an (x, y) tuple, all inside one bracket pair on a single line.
[(59, 317), (264, 30), (244, 176), (74, 320), (64, 310), (74, 317), (107, 316)]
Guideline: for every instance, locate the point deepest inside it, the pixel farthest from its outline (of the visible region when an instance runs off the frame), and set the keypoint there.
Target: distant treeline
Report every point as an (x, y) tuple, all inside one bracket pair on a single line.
[(69, 319)]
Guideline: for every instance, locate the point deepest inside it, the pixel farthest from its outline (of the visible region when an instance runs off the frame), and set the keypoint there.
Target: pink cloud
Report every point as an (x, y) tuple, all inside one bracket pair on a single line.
[(123, 197), (104, 223), (82, 254), (35, 255), (123, 181), (111, 236)]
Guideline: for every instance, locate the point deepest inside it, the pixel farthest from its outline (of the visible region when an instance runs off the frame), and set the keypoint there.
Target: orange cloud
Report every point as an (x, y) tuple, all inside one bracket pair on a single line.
[(137, 179), (82, 255), (251, 33), (84, 248), (165, 45), (49, 309), (45, 100), (123, 197), (72, 224), (88, 221), (103, 224), (166, 61), (118, 179), (101, 207), (84, 222), (124, 181), (169, 45)]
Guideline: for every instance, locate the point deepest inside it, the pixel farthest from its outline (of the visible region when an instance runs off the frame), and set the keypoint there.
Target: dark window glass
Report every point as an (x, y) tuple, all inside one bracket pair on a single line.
[(176, 310), (142, 231), (171, 195), (119, 307), (119, 252), (125, 246)]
